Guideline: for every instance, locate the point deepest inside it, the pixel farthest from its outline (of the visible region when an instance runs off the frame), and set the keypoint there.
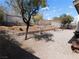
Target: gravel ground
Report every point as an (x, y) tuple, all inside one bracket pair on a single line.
[(58, 49)]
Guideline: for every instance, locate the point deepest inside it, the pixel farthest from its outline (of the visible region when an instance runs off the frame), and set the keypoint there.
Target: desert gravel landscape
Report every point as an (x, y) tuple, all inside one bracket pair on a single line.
[(56, 48), (59, 48)]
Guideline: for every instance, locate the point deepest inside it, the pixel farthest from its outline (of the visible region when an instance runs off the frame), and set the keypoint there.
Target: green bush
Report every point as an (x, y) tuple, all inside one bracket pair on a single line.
[(1, 15)]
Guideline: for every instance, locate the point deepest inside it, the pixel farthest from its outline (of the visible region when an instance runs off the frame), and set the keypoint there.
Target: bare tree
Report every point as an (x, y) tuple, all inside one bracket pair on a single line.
[(27, 8)]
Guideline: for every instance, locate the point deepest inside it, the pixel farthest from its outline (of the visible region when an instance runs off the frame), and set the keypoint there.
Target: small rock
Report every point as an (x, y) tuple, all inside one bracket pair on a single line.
[(20, 29)]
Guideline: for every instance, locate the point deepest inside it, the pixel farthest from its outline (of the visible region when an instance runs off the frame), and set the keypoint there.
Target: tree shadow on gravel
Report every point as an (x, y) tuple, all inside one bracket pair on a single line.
[(44, 36), (10, 50)]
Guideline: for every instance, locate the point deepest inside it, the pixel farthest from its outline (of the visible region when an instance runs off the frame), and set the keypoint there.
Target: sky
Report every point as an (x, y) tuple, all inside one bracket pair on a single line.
[(55, 8)]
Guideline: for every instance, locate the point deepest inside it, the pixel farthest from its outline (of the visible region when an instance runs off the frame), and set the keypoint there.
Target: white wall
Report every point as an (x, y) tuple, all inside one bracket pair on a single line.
[(56, 24)]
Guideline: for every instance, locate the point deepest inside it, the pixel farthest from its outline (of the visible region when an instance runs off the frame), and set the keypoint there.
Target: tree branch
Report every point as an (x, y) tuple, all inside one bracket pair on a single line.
[(34, 11)]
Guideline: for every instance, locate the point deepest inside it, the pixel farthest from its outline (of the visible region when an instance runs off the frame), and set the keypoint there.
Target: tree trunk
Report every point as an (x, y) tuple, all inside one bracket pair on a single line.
[(28, 24), (26, 31)]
